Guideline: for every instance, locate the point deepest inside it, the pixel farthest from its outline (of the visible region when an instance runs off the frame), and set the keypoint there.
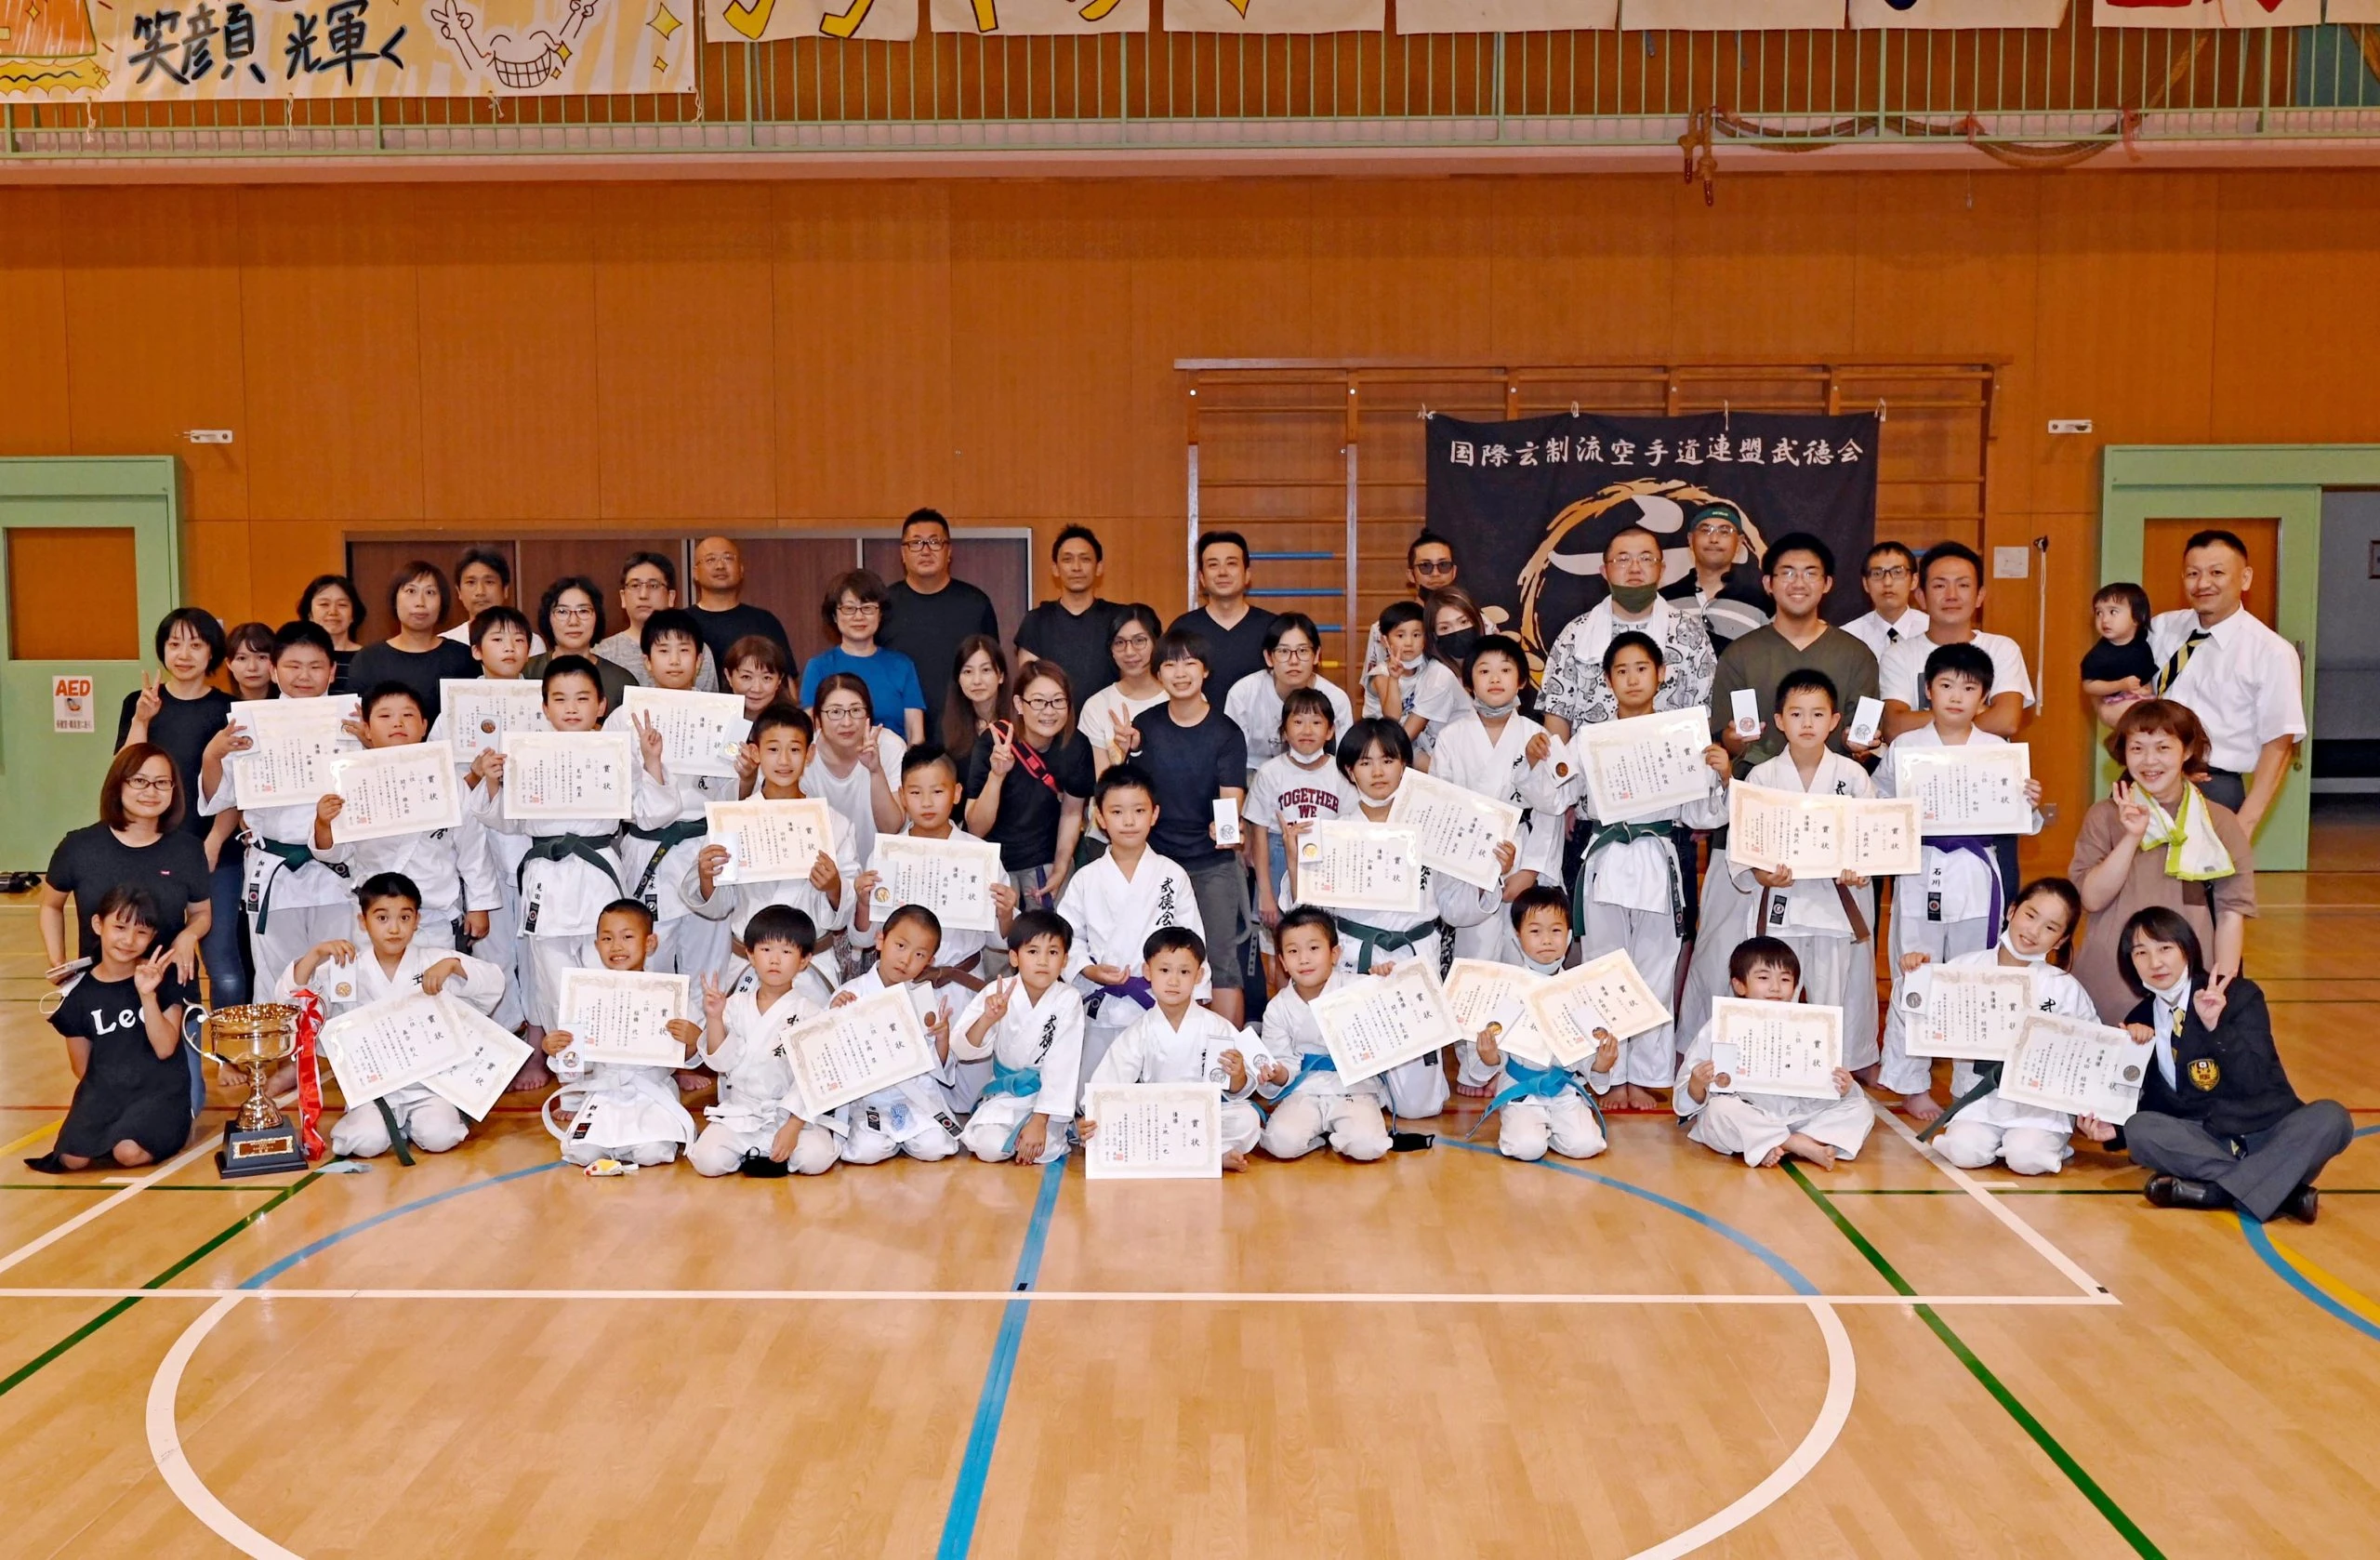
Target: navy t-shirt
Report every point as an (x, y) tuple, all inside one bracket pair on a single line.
[(1189, 767)]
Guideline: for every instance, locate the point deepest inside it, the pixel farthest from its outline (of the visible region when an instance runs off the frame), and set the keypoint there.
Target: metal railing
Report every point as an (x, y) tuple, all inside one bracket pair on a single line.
[(2035, 95)]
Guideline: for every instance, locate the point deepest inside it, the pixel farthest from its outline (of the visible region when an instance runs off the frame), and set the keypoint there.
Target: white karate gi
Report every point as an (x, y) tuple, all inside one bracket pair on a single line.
[(294, 900), (962, 948), (1809, 917), (1465, 756), (429, 1121), (1040, 1044), (732, 905), (1153, 1050), (914, 1117), (2031, 1140), (754, 1080), (455, 868), (1565, 1122), (652, 869), (1113, 915), (1753, 1124), (1431, 691), (501, 947), (1314, 1107)]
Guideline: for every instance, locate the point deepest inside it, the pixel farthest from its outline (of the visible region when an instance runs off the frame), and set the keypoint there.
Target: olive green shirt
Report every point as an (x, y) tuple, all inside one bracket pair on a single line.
[(1760, 660)]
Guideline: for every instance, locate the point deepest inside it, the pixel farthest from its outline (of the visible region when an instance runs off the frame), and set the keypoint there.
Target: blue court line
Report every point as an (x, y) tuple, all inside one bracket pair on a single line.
[(285, 1263), (2261, 1244), (982, 1439), (1793, 1276)]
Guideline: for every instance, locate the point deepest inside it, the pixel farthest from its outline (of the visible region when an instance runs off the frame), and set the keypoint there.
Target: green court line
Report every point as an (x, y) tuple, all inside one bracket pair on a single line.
[(2043, 1191), (101, 1186), (25, 1371), (2058, 1454)]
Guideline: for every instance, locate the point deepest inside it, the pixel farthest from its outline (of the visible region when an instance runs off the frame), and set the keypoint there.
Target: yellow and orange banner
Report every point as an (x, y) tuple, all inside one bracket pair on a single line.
[(1276, 16), (758, 21), (1039, 18)]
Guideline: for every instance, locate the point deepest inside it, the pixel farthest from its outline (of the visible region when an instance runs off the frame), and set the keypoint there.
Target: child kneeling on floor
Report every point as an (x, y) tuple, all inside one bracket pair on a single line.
[(744, 1043), (1544, 1104), (1765, 1128), (1314, 1107), (1178, 1041), (1030, 1025), (620, 1111)]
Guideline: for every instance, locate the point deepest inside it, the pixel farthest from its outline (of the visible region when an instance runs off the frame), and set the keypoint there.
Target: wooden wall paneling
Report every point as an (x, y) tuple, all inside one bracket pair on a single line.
[(218, 572), (373, 562), (333, 351), (867, 409), (1400, 268), (789, 574), (685, 375), (1000, 566), (153, 340), (33, 324), (1767, 271), (2160, 560), (544, 558), (2293, 321), (1581, 273), (2064, 729), (510, 401)]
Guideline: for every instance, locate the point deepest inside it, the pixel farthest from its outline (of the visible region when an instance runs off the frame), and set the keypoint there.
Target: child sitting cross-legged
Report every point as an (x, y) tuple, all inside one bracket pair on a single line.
[(619, 1111), (1765, 1128), (1030, 1025)]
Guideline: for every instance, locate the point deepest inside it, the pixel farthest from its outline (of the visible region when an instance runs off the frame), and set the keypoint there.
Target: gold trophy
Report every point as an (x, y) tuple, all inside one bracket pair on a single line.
[(255, 1036)]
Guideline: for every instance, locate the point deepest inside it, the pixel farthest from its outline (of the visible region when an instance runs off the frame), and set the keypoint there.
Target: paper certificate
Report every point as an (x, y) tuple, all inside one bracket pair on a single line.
[(1455, 830), (479, 710), (1605, 993), (383, 1045), (952, 878), (1372, 1025), (1775, 1047), (1965, 1012), (2077, 1067), (492, 1055), (1480, 993), (1880, 838), (395, 790), (1973, 789), (293, 741), (622, 1016), (767, 840), (701, 734), (1768, 829), (849, 1052), (568, 774), (1645, 764), (1155, 1131), (1352, 864)]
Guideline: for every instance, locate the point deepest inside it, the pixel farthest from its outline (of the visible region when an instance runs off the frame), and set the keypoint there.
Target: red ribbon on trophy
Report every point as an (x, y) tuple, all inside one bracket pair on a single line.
[(309, 1071)]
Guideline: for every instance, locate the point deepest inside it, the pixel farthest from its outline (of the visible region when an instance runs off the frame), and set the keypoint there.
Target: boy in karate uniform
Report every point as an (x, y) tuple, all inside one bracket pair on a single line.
[(1544, 1104), (1765, 1128), (1115, 903), (293, 900), (1632, 881), (1824, 922), (572, 872), (395, 961), (692, 945), (1030, 1026), (779, 752), (1488, 751), (912, 1118), (500, 641), (1952, 907), (453, 870), (929, 795), (1314, 1107), (620, 1111), (1178, 1041), (741, 1043)]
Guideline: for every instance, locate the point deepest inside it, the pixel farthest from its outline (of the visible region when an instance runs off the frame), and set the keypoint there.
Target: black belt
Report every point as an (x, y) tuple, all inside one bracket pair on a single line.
[(589, 848), (669, 835), (1376, 941)]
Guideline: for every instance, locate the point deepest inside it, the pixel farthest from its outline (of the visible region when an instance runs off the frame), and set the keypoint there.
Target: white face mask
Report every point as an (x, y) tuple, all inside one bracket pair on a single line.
[(2168, 991), (1537, 969), (1409, 668), (2012, 951), (1495, 711)]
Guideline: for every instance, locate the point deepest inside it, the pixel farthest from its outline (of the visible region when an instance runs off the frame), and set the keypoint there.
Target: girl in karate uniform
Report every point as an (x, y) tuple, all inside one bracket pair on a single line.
[(1374, 754), (394, 961), (912, 1118), (1542, 1103), (1030, 1026), (1114, 903), (1631, 881), (779, 752), (2029, 1139), (653, 859), (1312, 1107), (1765, 1128), (453, 870), (741, 1043), (1178, 1041), (620, 1111)]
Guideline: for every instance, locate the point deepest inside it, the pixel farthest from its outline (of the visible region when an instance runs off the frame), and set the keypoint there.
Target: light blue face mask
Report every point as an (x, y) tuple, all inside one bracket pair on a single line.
[(1496, 711)]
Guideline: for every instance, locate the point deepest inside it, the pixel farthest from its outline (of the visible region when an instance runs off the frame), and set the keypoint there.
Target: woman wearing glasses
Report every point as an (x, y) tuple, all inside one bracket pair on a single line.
[(853, 615), (1113, 708), (139, 843), (1027, 784), (1293, 660), (928, 613), (570, 616)]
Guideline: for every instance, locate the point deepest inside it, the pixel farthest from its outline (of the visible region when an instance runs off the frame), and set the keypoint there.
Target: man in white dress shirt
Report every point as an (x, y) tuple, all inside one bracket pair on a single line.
[(1890, 578), (1950, 582), (2240, 680)]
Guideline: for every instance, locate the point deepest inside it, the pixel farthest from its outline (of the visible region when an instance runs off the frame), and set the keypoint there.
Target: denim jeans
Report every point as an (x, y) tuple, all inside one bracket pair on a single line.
[(225, 947)]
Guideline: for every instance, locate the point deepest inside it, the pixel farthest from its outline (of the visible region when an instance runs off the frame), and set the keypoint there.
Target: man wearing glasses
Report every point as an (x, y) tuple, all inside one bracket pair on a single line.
[(1732, 605), (648, 583), (926, 612), (720, 606), (1889, 575), (1429, 565)]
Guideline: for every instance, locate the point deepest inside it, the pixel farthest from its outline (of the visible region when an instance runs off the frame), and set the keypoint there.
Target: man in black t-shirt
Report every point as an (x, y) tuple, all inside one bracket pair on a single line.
[(926, 613), (1233, 630), (1196, 757), (721, 609), (1074, 629)]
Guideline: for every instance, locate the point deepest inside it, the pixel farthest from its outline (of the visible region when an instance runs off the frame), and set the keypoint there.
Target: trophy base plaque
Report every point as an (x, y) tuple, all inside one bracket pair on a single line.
[(259, 1151)]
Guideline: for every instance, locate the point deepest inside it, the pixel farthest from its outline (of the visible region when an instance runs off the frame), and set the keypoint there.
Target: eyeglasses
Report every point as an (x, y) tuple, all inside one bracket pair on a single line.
[(161, 784), (573, 612), (1131, 641), (1046, 703), (1289, 651), (844, 712), (1806, 575), (1434, 565), (925, 544), (858, 609), (1897, 571)]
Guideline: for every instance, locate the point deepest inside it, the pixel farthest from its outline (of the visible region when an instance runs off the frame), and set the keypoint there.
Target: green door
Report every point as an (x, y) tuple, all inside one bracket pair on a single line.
[(91, 559)]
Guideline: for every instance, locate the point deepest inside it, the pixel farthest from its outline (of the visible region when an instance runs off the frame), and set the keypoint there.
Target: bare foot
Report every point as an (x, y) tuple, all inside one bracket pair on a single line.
[(1636, 1097), (533, 1075), (1473, 1090), (693, 1080), (1921, 1107), (284, 1079), (1234, 1161), (1803, 1146), (1773, 1158)]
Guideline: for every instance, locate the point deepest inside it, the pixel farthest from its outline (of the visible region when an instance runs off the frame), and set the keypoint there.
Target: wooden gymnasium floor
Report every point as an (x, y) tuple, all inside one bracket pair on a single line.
[(1442, 1354)]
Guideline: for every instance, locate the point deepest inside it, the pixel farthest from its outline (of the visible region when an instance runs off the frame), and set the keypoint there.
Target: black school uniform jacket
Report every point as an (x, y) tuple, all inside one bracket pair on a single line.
[(2228, 1079)]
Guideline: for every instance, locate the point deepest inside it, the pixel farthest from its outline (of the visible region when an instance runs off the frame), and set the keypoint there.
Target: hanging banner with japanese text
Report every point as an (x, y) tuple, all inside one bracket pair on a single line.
[(729, 21), (1032, 18), (1531, 502), (1957, 13), (187, 50), (1275, 16), (1729, 15), (1502, 16), (2206, 13)]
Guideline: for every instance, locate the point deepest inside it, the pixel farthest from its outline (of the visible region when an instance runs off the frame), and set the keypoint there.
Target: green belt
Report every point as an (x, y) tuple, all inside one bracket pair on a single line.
[(669, 837), (589, 848), (1986, 1080), (1624, 834), (291, 857), (1375, 940)]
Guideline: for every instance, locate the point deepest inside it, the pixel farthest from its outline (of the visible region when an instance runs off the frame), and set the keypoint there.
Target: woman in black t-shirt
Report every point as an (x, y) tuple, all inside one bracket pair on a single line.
[(329, 603), (136, 1093), (1026, 782), (181, 713), (136, 843), (414, 656)]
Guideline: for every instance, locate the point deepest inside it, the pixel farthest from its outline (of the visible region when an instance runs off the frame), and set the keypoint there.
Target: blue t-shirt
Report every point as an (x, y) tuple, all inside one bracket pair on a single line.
[(892, 680)]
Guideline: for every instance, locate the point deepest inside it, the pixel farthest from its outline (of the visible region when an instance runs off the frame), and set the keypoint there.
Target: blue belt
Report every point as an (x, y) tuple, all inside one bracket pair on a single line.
[(1019, 1081), (1308, 1064), (1534, 1083)]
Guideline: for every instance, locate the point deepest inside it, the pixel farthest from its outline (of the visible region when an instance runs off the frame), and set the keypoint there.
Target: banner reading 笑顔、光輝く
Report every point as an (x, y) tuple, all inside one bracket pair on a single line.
[(2206, 13)]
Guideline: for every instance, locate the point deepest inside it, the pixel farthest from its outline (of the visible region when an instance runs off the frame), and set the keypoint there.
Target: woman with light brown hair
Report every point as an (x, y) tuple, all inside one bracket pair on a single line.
[(139, 843)]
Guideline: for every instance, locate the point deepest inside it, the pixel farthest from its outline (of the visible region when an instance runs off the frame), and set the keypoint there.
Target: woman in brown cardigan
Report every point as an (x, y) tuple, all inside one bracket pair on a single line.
[(2122, 854)]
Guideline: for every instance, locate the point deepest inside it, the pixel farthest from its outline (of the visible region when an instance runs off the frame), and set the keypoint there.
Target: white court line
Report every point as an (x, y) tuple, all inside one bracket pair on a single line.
[(1108, 1297), (166, 1443), (40, 1243), (1999, 1210)]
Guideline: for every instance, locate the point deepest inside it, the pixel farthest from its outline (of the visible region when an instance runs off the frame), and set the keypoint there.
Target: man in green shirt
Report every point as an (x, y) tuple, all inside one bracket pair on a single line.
[(1798, 573)]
